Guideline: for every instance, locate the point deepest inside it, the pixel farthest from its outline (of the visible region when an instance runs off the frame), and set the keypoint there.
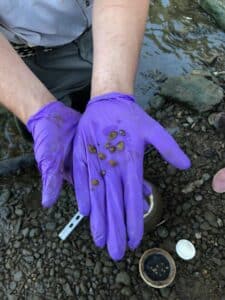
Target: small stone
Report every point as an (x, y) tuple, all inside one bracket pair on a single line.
[(97, 268), (126, 291), (89, 263), (4, 197), (50, 226), (123, 278), (12, 285), (67, 290), (17, 244), (165, 292), (211, 218), (222, 271), (19, 212), (122, 132), (18, 276), (92, 149), (198, 198), (120, 146), (162, 232), (25, 231), (33, 232), (95, 182), (220, 222), (198, 235), (112, 162), (113, 135), (101, 155)]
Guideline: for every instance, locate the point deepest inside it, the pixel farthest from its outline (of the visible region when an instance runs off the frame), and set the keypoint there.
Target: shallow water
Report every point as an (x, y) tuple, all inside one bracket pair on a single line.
[(178, 35)]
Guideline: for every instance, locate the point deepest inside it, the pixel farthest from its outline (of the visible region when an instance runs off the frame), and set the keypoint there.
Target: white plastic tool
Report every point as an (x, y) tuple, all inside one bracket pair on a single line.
[(71, 226), (185, 249)]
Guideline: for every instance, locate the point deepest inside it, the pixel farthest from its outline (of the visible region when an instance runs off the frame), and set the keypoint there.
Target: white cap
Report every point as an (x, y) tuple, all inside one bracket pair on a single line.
[(185, 249)]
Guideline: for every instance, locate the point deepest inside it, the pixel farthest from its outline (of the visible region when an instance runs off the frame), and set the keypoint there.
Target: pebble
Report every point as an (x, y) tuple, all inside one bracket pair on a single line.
[(67, 290), (162, 232), (211, 218), (126, 291), (123, 278), (198, 198), (97, 268), (19, 212), (18, 276), (222, 271), (165, 292), (50, 226), (198, 235), (4, 197)]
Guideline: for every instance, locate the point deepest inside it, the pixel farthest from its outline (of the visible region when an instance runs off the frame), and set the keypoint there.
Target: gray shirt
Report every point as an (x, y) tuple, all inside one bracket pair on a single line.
[(44, 22)]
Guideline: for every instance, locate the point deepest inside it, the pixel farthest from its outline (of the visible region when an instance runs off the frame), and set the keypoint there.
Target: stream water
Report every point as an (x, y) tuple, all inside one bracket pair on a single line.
[(179, 36)]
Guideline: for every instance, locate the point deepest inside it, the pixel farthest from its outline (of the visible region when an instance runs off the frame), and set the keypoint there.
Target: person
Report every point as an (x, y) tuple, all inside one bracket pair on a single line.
[(101, 150)]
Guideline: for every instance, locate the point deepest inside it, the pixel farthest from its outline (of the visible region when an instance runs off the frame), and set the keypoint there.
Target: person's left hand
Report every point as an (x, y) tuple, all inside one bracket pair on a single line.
[(108, 168)]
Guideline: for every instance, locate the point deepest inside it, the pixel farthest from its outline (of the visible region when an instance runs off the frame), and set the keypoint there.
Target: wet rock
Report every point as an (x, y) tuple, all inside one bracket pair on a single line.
[(19, 212), (217, 120), (162, 232), (198, 198), (211, 219), (18, 276), (50, 226), (4, 197), (126, 291), (123, 278), (67, 290), (197, 92), (97, 268), (222, 271), (4, 212), (165, 292), (215, 8)]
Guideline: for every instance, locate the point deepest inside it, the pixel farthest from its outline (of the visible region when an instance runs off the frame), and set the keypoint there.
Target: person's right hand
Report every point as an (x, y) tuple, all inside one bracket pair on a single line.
[(53, 129)]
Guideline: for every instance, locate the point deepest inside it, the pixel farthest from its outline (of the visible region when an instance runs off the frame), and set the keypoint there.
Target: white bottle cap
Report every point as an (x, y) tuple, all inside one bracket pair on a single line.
[(185, 249)]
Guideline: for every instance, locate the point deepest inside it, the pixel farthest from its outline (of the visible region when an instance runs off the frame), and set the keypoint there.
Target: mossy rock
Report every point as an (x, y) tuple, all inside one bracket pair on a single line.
[(215, 8), (197, 92)]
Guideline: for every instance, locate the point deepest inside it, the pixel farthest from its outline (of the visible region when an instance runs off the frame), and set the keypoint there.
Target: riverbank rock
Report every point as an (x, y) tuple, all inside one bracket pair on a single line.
[(197, 92), (215, 8)]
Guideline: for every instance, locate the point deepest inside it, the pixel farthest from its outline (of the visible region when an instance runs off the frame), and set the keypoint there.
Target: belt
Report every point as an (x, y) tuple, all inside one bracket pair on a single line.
[(26, 51)]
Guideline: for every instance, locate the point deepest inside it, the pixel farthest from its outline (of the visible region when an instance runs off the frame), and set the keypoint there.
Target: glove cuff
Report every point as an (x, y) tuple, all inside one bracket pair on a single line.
[(112, 96)]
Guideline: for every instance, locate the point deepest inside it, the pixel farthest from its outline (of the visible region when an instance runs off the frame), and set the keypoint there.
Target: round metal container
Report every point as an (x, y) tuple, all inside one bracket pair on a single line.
[(157, 268)]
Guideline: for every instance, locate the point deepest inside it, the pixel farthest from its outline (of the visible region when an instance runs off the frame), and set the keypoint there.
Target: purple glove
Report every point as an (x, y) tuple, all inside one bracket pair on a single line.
[(108, 168), (53, 129)]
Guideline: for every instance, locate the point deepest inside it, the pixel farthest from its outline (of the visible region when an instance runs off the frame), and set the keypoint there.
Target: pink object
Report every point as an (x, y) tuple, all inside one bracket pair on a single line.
[(218, 183)]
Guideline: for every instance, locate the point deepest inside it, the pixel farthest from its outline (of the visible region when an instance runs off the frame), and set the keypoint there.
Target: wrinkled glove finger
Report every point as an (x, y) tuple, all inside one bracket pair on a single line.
[(51, 186), (98, 208), (157, 136), (81, 177), (133, 194), (116, 229)]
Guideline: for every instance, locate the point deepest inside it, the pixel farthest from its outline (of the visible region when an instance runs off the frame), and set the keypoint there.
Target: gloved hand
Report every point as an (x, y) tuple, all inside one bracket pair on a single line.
[(53, 129), (108, 168)]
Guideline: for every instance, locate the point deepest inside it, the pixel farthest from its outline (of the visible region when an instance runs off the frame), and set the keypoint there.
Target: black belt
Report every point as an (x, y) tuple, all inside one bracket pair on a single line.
[(26, 51)]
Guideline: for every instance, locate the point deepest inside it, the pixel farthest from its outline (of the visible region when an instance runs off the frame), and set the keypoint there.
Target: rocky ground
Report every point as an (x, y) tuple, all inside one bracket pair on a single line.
[(36, 265)]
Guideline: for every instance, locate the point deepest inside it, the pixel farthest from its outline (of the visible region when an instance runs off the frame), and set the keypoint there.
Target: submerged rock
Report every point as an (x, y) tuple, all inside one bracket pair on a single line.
[(216, 8), (197, 92)]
